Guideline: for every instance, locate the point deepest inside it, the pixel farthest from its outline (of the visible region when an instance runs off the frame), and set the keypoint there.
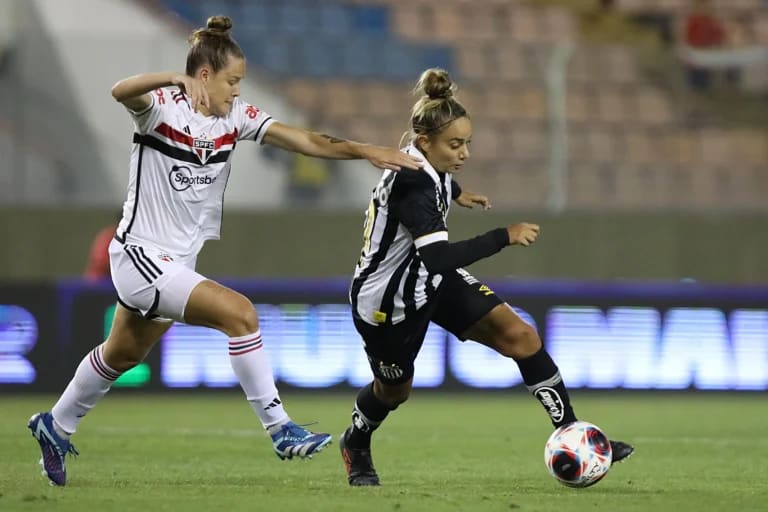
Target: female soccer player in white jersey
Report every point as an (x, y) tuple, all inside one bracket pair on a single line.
[(409, 274), (187, 126)]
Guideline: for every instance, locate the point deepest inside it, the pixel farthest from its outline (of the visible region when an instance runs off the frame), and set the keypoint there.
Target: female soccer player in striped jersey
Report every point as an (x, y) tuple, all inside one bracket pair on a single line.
[(186, 128), (409, 274)]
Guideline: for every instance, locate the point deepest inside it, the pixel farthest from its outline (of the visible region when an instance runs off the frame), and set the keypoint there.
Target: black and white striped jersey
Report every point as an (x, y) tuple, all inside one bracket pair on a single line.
[(407, 212)]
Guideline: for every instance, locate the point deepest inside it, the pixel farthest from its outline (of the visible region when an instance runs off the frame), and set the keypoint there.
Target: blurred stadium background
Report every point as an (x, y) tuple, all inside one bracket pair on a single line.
[(591, 118), (650, 188), (639, 148)]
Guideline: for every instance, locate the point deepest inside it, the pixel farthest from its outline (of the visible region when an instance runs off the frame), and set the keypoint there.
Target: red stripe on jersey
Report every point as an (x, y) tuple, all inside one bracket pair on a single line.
[(227, 138), (176, 135)]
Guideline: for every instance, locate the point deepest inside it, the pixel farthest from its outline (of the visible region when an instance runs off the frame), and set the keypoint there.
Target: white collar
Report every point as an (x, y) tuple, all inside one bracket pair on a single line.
[(412, 150)]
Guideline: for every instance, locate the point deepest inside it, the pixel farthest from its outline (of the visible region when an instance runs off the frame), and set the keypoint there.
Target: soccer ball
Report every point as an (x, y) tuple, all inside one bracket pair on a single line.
[(578, 454)]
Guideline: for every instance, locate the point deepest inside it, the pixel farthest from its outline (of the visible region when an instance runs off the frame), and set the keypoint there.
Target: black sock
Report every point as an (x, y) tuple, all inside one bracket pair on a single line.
[(542, 377), (367, 415)]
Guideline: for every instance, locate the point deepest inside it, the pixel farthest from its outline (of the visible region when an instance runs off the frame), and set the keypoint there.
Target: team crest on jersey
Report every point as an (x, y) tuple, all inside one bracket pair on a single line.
[(204, 147)]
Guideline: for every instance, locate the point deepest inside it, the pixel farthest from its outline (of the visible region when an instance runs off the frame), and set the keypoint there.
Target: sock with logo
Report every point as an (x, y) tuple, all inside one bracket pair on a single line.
[(92, 380), (542, 377), (251, 365), (367, 415)]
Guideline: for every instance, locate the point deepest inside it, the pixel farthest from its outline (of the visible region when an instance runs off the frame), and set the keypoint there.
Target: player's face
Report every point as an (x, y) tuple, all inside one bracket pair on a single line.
[(223, 87), (448, 150)]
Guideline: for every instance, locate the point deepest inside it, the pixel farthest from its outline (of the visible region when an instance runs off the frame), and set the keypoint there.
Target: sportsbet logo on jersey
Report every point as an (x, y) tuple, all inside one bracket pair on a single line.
[(181, 178)]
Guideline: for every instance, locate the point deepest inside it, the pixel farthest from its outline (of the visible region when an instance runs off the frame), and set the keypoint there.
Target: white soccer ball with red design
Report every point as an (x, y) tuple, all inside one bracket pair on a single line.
[(578, 454)]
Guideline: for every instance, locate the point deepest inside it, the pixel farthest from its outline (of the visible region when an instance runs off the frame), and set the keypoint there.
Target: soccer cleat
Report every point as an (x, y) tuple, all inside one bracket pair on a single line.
[(54, 449), (293, 440), (620, 451), (358, 462)]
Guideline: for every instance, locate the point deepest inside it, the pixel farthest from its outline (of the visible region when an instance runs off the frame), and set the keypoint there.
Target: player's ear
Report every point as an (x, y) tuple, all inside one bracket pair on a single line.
[(203, 74), (423, 142)]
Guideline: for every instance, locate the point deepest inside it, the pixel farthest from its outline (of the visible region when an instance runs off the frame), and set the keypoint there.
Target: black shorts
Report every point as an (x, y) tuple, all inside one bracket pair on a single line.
[(461, 301)]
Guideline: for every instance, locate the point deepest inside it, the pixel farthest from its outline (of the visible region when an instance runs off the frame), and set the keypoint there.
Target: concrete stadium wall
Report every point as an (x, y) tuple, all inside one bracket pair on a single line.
[(52, 243)]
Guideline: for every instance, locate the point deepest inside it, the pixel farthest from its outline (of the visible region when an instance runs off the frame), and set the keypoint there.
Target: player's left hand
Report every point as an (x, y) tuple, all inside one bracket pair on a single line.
[(469, 200), (389, 158)]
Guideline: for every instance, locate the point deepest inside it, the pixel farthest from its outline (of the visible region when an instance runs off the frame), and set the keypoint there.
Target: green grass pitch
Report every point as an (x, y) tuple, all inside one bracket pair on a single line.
[(439, 452)]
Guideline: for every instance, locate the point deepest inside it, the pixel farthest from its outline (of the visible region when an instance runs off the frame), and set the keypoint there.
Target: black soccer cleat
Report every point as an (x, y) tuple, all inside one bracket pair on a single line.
[(621, 451), (360, 470)]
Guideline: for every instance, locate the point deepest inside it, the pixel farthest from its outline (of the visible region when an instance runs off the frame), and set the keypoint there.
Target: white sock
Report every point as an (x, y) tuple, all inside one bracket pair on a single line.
[(251, 365), (92, 380)]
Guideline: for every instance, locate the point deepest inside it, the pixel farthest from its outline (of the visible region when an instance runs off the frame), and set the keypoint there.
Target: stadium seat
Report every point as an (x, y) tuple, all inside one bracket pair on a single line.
[(334, 19), (344, 100), (652, 106), (526, 24), (473, 61), (642, 187), (305, 94), (383, 100), (320, 57), (533, 104), (603, 146), (529, 142), (682, 147), (714, 147), (487, 141), (578, 104), (371, 19), (294, 17), (638, 147), (502, 103), (412, 22), (557, 26), (612, 105), (508, 61)]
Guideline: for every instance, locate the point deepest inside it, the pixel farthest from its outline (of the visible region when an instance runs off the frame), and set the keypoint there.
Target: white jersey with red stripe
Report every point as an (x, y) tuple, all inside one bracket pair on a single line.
[(180, 163)]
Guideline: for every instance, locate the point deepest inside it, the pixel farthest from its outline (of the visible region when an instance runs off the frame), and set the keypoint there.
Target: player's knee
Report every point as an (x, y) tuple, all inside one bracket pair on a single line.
[(394, 399), (242, 320), (393, 396), (518, 341)]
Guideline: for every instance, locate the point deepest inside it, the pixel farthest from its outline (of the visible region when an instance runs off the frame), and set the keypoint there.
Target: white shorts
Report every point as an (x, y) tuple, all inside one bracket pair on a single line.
[(151, 282)]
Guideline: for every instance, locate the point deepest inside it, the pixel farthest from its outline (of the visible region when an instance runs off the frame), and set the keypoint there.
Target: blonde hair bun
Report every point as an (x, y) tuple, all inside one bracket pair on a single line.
[(435, 84)]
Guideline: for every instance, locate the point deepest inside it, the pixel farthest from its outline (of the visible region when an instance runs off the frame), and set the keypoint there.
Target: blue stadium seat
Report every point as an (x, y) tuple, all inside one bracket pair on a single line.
[(436, 57), (362, 56), (334, 19), (321, 56), (275, 55), (294, 17), (371, 19), (207, 8), (319, 38), (257, 16)]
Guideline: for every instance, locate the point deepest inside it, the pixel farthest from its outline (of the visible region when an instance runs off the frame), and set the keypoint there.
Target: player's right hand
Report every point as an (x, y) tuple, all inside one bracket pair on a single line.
[(523, 233), (193, 88)]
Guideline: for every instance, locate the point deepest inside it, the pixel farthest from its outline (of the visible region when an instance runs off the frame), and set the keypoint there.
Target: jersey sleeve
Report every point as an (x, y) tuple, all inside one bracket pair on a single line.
[(419, 207), (251, 122), (144, 120)]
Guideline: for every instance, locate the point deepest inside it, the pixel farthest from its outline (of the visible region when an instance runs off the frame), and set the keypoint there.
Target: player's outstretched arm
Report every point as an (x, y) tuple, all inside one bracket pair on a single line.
[(133, 92), (441, 256), (320, 145)]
